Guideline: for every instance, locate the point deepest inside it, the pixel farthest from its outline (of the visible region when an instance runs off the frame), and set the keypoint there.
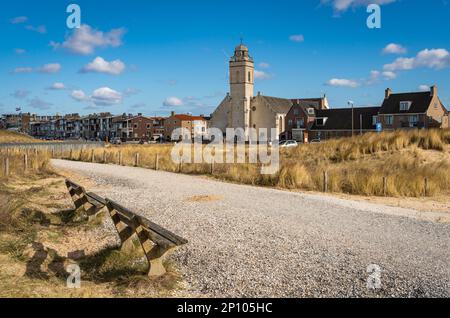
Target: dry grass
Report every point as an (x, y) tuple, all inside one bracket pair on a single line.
[(38, 163), (38, 230), (355, 165), (7, 137)]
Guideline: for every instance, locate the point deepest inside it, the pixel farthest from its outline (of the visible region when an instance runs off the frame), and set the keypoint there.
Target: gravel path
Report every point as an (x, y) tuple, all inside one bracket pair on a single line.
[(258, 242)]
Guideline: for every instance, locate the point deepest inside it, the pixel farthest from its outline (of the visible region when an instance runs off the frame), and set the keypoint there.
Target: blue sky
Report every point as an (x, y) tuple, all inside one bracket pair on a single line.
[(157, 56)]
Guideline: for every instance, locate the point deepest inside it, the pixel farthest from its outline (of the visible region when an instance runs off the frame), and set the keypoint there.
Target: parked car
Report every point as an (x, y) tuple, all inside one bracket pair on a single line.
[(116, 141), (288, 144), (315, 141)]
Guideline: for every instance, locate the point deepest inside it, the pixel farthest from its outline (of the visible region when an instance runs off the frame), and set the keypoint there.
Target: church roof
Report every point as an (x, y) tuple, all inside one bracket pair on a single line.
[(279, 105)]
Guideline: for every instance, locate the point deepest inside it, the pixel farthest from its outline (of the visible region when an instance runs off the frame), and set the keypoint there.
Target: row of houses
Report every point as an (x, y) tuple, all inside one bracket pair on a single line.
[(104, 126), (307, 120)]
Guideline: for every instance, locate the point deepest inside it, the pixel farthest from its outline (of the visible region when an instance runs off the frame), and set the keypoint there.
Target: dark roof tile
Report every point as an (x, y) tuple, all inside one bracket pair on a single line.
[(341, 118), (420, 103)]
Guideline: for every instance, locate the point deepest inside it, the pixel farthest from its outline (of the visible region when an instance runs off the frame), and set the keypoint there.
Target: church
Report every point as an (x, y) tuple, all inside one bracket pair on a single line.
[(242, 109)]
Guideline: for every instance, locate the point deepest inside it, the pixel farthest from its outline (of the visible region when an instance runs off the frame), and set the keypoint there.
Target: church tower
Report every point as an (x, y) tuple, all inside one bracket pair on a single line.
[(241, 88)]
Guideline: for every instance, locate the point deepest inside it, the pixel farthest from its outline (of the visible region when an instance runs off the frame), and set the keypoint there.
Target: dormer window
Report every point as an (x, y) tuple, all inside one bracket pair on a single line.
[(405, 106), (321, 121)]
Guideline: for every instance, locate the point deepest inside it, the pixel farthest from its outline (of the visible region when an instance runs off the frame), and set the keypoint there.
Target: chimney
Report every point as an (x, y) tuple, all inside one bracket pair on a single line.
[(434, 90), (387, 93)]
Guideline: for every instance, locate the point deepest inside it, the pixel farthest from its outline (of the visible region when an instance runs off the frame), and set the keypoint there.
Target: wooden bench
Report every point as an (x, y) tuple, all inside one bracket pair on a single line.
[(156, 241)]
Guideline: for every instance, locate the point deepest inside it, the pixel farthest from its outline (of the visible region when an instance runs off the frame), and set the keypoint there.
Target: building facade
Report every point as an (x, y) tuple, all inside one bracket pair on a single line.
[(194, 125), (241, 109), (413, 110)]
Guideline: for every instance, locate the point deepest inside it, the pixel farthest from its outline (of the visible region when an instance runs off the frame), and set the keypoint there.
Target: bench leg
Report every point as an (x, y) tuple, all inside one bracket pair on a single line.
[(156, 258)]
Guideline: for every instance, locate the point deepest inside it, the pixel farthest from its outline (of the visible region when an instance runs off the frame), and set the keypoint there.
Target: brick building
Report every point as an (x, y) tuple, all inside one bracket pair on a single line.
[(413, 110), (194, 124)]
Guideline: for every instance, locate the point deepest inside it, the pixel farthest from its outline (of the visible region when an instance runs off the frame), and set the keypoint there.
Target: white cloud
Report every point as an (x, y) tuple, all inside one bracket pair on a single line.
[(297, 38), (20, 70), (434, 59), (42, 29), (394, 48), (131, 91), (86, 39), (19, 20), (20, 93), (342, 82), (344, 5), (374, 76), (99, 65), (264, 65), (57, 86), (424, 88), (400, 64), (20, 51), (106, 96), (173, 102), (38, 103), (388, 75), (261, 75), (50, 68), (79, 95)]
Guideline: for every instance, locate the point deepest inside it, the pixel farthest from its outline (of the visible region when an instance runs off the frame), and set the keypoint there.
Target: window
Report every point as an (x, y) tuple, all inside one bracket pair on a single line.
[(148, 126), (310, 111), (404, 106), (296, 112), (389, 120), (413, 119), (321, 121), (249, 77), (290, 122), (374, 120), (135, 126), (300, 123)]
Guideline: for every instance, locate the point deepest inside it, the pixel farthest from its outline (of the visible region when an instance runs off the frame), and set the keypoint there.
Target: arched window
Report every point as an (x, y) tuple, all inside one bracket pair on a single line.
[(249, 77)]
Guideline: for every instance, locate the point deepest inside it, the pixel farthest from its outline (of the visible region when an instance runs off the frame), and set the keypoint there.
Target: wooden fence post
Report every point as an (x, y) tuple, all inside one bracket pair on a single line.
[(426, 187), (25, 162), (120, 158), (93, 156), (385, 186), (136, 160), (6, 167), (325, 181), (157, 162), (104, 156)]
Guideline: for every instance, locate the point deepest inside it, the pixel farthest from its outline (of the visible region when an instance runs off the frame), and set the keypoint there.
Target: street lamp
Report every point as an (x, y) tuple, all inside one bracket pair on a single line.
[(351, 103)]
